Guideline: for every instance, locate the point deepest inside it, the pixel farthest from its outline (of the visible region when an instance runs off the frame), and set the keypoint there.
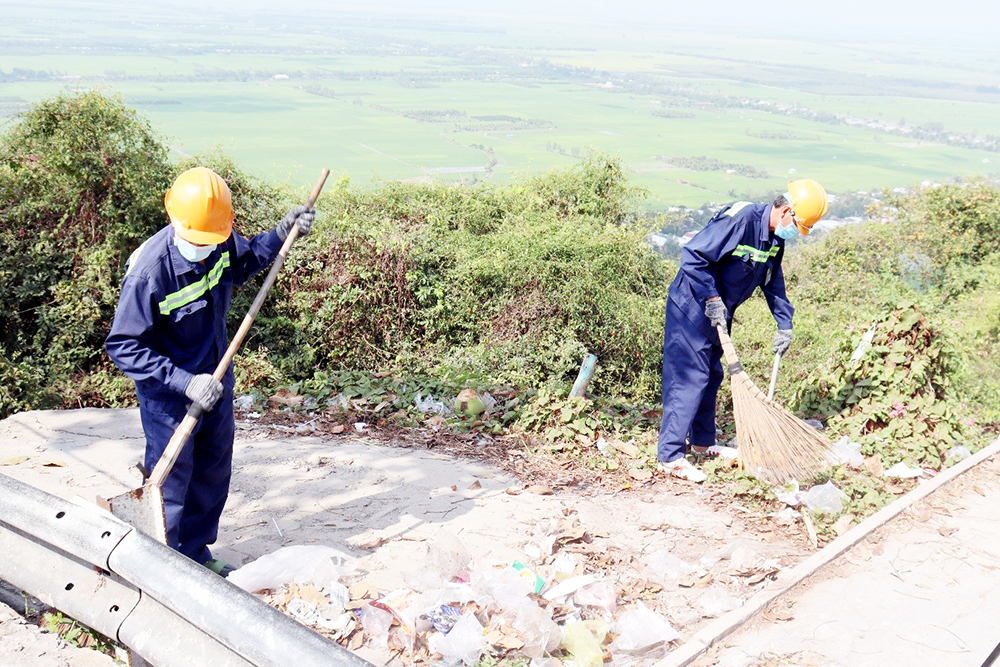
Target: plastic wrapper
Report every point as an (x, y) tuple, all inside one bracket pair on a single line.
[(583, 641), (958, 452), (640, 630), (600, 594), (844, 451), (376, 623), (902, 471), (465, 643), (430, 404), (444, 618), (662, 567), (447, 559), (825, 498), (303, 564), (716, 602)]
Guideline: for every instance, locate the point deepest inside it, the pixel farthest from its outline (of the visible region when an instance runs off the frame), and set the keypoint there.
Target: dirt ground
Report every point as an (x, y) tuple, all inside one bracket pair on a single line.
[(390, 505)]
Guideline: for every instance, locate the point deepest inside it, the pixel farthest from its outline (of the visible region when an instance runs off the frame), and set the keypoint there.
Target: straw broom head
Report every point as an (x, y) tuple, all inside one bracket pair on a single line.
[(774, 444)]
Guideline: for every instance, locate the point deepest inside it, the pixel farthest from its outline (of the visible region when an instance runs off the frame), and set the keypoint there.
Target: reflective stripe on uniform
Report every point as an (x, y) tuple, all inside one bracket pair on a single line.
[(756, 255), (188, 294), (737, 207)]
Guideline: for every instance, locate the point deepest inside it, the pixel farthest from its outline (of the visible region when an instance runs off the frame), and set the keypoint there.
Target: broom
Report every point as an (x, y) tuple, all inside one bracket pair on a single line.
[(774, 444)]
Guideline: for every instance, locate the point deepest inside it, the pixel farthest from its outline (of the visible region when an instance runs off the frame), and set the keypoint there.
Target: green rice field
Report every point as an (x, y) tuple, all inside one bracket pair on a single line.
[(377, 98)]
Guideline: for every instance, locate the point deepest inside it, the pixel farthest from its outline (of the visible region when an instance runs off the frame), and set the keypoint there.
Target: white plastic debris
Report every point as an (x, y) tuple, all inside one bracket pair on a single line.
[(464, 643), (864, 345), (600, 594), (845, 451), (824, 498), (902, 471), (959, 452), (360, 426), (716, 602), (640, 629), (602, 445), (569, 586), (662, 567), (790, 493), (243, 403), (488, 401), (306, 564), (431, 404)]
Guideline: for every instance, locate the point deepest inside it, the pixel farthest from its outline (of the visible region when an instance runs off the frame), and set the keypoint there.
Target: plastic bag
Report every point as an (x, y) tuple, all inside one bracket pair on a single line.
[(306, 564), (640, 629), (790, 493), (900, 470), (376, 623), (446, 559), (535, 625), (600, 594), (824, 498), (583, 645), (958, 452), (464, 643), (430, 404), (716, 602), (662, 567), (845, 451)]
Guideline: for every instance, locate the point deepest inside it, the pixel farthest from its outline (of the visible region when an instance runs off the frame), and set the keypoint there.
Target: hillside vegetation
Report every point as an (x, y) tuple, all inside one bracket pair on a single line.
[(408, 290)]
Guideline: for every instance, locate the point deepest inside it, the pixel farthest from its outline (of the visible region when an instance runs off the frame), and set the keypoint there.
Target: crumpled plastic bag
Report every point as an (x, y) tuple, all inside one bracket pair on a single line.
[(716, 602), (844, 451), (662, 567), (958, 452), (302, 563), (431, 404), (825, 498), (640, 629), (790, 493), (464, 643), (902, 471), (583, 641), (600, 594)]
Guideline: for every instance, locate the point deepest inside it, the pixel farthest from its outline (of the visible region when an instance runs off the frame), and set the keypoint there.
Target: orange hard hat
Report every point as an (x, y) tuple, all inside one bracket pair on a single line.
[(200, 207)]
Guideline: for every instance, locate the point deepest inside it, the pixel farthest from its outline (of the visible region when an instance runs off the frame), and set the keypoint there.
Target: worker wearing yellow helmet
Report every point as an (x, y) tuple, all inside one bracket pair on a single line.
[(739, 250), (169, 334)]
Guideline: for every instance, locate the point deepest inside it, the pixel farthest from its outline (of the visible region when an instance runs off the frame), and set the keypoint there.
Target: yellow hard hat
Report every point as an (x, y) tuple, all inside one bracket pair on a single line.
[(808, 199), (200, 207)]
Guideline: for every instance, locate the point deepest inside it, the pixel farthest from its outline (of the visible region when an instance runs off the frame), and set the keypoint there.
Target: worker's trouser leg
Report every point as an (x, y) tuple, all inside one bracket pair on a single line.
[(195, 492), (692, 374)]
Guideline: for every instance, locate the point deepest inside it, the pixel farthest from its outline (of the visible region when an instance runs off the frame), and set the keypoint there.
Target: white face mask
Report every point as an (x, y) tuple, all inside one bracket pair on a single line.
[(192, 252)]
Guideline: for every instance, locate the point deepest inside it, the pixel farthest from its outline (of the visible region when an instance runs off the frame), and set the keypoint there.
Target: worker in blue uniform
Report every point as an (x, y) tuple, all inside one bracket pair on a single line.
[(739, 250), (169, 334)]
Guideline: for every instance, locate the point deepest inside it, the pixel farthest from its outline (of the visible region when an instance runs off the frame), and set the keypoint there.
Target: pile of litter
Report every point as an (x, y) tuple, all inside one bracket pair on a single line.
[(457, 609)]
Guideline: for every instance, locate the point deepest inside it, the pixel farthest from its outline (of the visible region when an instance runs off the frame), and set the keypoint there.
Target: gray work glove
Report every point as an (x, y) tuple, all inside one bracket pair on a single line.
[(302, 216), (716, 313), (204, 390), (782, 340)]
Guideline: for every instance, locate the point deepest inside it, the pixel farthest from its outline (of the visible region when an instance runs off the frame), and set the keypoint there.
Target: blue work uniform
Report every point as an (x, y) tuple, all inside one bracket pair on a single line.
[(171, 325), (731, 257)]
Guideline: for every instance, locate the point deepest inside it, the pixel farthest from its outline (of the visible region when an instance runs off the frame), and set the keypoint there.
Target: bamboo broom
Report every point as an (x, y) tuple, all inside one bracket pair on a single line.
[(774, 444)]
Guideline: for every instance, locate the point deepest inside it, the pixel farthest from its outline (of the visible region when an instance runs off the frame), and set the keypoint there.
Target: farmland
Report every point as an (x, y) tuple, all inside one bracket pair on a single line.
[(465, 98)]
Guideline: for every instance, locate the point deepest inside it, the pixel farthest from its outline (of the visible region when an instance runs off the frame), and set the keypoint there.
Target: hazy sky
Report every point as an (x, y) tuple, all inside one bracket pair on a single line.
[(954, 22)]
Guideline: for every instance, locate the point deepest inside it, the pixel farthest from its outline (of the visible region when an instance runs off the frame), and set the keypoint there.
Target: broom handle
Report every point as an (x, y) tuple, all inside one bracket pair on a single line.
[(727, 346), (774, 376)]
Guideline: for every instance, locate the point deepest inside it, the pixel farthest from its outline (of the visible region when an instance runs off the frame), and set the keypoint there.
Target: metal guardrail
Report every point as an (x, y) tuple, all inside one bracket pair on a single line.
[(123, 584)]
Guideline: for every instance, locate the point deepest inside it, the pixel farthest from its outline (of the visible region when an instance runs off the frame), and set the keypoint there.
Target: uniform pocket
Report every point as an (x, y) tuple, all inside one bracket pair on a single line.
[(187, 309)]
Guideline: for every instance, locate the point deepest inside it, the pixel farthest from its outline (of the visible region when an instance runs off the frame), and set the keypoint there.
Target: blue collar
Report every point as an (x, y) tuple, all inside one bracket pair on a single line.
[(765, 225)]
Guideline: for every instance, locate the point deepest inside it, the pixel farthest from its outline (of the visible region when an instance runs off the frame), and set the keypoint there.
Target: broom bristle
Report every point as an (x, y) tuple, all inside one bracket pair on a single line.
[(774, 444)]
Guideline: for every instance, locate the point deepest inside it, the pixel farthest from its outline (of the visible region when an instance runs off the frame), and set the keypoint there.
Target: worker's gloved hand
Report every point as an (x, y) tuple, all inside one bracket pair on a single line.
[(302, 216), (716, 313), (782, 340), (204, 390)]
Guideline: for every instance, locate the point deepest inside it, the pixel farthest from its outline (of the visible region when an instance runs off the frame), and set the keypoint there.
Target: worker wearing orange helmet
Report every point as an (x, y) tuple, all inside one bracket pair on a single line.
[(739, 250), (169, 334)]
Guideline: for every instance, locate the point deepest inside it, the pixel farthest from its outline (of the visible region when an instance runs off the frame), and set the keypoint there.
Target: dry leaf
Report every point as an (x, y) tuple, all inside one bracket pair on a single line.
[(873, 464), (13, 461), (363, 591), (640, 475), (436, 420), (878, 549), (285, 397), (810, 528), (373, 543), (783, 615), (54, 464), (946, 531), (337, 428), (627, 449), (843, 524), (512, 491), (540, 490), (475, 485)]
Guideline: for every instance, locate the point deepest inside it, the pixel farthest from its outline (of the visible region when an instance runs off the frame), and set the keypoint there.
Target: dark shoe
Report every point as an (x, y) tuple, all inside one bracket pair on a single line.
[(220, 567)]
